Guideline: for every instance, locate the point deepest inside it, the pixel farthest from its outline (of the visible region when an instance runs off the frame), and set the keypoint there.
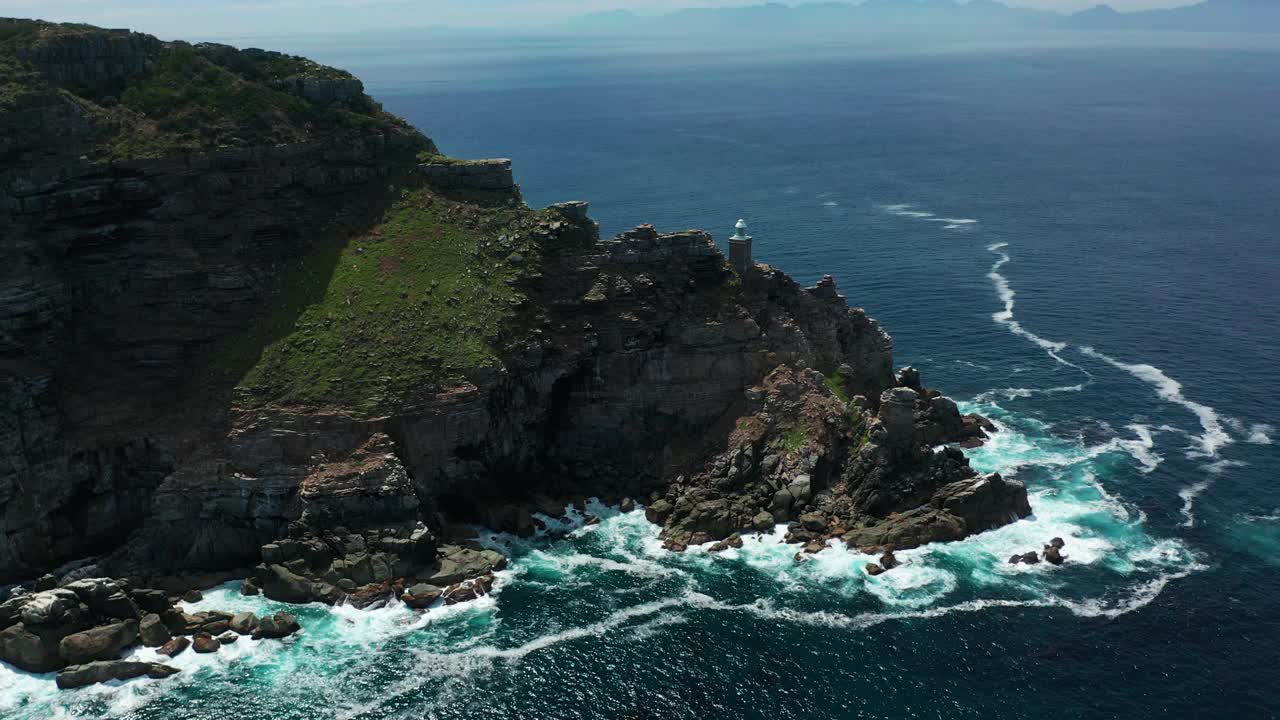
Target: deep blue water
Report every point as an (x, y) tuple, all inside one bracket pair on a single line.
[(1127, 197)]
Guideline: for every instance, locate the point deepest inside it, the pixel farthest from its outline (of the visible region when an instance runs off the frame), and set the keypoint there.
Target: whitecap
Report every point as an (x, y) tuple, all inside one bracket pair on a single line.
[(1260, 434), (1255, 434), (1214, 436), (1015, 393), (904, 210), (1189, 495), (1005, 317)]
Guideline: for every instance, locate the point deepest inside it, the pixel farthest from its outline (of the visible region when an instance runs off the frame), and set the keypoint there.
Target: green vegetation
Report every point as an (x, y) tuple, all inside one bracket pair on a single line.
[(14, 83), (264, 66), (431, 156), (402, 312), (194, 103), (794, 440), (11, 28), (190, 97), (835, 384)]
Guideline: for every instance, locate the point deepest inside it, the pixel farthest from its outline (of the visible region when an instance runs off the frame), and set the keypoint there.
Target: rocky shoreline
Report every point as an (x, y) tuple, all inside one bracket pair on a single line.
[(312, 360), (79, 630)]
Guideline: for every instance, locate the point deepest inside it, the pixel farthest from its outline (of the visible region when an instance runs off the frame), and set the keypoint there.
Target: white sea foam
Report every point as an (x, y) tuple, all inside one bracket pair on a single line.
[(1013, 393), (831, 203), (1005, 317), (451, 644), (904, 210), (1189, 495), (953, 223), (1256, 434), (948, 223), (1141, 449), (1260, 434), (1213, 439), (1009, 449), (1191, 492)]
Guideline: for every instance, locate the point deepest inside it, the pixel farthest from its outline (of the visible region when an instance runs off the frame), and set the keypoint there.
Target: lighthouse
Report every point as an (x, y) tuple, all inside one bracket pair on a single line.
[(740, 248)]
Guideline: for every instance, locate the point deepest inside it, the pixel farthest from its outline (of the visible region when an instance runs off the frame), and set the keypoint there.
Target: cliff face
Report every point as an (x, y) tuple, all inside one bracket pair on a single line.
[(119, 275), (299, 338)]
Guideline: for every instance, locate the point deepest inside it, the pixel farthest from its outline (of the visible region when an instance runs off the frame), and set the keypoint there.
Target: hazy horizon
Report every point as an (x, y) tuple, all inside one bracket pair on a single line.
[(280, 17)]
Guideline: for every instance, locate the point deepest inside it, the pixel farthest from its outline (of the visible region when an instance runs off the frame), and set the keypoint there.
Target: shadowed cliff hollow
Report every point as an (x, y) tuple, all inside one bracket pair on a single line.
[(249, 320)]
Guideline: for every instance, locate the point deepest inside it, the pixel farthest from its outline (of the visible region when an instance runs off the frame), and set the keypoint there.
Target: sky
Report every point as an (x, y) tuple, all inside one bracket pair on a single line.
[(246, 18)]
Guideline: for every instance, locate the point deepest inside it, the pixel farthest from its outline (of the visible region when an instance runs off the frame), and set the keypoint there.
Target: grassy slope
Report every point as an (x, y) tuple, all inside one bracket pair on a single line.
[(408, 310), (194, 97)]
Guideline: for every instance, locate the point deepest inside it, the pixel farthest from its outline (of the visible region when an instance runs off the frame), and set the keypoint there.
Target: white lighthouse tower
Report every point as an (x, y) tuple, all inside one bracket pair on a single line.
[(740, 248)]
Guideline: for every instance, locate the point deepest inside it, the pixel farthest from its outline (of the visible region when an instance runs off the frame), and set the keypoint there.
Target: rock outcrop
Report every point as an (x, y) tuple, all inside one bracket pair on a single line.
[(83, 627), (304, 355), (835, 469), (138, 237)]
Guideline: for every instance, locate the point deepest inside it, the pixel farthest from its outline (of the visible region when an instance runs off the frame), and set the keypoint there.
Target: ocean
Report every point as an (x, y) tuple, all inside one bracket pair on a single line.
[(1077, 238)]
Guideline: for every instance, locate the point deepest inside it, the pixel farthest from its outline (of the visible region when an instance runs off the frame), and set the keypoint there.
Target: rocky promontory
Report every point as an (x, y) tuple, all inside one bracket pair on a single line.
[(254, 327)]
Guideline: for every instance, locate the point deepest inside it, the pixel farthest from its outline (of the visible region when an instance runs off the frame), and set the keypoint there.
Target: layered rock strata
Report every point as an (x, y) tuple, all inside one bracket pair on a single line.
[(181, 406)]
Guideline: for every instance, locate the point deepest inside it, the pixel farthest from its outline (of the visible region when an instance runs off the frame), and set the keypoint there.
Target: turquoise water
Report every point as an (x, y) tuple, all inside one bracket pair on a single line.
[(1079, 243)]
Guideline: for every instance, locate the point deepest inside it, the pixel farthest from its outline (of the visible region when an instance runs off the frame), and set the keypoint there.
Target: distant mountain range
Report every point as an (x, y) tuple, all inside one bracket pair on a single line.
[(936, 16)]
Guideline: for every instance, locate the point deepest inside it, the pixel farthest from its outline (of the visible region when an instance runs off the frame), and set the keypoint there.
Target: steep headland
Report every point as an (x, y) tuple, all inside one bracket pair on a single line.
[(253, 326)]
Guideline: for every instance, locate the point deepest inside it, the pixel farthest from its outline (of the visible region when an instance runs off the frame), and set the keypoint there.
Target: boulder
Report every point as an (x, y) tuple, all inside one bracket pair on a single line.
[(205, 643), (460, 563), (181, 623), (280, 625), (421, 596), (30, 650), (152, 631), (192, 596), (53, 607), (175, 647), (888, 560), (1030, 558), (1058, 543), (627, 505), (814, 521), (801, 489), (99, 643), (243, 623), (762, 521), (151, 601), (116, 606), (658, 511), (468, 590), (249, 587), (280, 583), (87, 674), (984, 503), (228, 638), (873, 569), (1015, 559), (1053, 555)]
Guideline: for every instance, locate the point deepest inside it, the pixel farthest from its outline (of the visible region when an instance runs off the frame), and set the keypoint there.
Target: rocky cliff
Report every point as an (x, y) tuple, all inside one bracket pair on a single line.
[(250, 321)]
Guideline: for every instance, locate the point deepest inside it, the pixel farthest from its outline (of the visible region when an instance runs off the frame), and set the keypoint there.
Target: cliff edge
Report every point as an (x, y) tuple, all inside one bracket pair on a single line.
[(252, 325)]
